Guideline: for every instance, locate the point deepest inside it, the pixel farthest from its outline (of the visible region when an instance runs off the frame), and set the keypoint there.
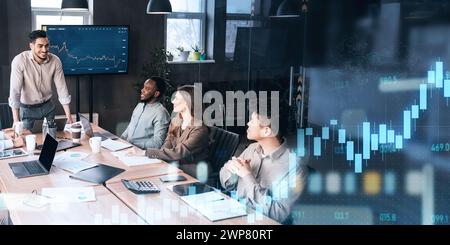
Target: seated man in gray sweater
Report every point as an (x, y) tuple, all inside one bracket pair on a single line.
[(150, 119), (264, 175)]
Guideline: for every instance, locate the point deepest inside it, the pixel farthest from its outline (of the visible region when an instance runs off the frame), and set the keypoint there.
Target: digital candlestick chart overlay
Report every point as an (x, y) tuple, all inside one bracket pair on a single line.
[(90, 49), (376, 137)]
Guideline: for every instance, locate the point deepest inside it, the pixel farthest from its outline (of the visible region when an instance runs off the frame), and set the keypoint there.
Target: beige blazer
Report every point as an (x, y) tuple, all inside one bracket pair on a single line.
[(188, 147)]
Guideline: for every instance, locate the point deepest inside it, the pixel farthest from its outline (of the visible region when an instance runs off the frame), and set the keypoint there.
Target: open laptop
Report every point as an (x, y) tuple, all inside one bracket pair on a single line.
[(89, 132), (37, 126), (37, 167), (63, 144)]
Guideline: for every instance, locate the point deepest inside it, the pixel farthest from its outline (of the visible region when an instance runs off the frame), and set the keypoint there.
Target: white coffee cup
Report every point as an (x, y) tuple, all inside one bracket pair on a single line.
[(18, 128), (30, 141), (96, 144), (76, 133)]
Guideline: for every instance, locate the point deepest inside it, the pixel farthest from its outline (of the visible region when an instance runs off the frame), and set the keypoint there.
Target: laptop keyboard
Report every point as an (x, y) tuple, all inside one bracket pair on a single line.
[(33, 167)]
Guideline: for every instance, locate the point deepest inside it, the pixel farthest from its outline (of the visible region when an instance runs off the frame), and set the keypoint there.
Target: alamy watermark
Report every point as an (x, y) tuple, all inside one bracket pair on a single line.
[(235, 106)]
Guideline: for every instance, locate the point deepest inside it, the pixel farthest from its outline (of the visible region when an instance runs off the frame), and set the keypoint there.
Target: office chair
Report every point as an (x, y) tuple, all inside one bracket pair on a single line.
[(6, 118), (223, 147)]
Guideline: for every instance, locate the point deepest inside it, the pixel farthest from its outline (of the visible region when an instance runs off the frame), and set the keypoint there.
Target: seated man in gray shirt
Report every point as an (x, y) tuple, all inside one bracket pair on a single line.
[(265, 175), (150, 119)]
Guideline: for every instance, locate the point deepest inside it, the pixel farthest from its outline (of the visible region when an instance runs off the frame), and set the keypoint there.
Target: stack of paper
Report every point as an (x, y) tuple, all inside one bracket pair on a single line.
[(134, 160), (215, 206), (69, 194), (115, 145), (72, 162)]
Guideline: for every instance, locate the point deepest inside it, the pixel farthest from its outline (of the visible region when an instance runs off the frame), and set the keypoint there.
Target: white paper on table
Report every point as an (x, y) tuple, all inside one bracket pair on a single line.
[(115, 145), (215, 206), (209, 196), (71, 155), (134, 160), (69, 194), (72, 162)]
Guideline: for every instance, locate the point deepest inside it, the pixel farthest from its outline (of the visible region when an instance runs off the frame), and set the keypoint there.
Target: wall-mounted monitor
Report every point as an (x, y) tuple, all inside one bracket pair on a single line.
[(90, 49)]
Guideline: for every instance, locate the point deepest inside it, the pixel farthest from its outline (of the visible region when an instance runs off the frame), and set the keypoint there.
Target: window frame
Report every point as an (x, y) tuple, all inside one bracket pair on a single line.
[(35, 11), (201, 16), (255, 16)]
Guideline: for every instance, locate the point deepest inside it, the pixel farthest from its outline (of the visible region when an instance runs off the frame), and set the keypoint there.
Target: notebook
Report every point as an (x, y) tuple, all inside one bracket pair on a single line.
[(98, 174), (115, 145)]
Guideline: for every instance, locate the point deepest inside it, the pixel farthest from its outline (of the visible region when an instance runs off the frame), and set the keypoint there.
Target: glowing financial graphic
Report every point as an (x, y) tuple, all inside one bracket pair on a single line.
[(373, 138), (90, 49)]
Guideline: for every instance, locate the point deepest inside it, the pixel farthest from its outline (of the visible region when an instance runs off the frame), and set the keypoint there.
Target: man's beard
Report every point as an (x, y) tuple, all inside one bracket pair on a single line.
[(40, 58), (146, 100)]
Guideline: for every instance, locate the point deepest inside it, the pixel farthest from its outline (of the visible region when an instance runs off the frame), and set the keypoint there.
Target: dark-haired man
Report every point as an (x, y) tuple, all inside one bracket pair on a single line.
[(32, 75), (150, 120), (264, 175)]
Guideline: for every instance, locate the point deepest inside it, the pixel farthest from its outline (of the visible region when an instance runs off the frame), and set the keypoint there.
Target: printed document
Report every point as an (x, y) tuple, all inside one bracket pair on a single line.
[(72, 162), (134, 160), (215, 206)]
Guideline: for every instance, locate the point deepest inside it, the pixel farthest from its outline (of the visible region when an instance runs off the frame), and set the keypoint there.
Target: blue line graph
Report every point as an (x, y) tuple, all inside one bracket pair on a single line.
[(90, 49), (376, 138), (65, 50)]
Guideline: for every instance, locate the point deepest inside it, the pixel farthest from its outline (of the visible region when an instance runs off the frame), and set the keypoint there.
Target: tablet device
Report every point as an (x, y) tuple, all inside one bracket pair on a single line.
[(192, 189), (12, 153), (172, 178)]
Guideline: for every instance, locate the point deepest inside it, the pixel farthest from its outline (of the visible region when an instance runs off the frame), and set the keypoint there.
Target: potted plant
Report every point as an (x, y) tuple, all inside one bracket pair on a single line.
[(203, 55), (169, 56), (183, 53), (196, 52)]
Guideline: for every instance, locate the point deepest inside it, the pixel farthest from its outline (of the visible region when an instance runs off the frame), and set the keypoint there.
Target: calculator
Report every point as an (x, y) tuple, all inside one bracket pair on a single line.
[(140, 186)]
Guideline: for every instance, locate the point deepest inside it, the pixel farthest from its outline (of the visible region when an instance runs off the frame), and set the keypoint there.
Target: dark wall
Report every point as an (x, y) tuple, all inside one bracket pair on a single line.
[(15, 22), (115, 96), (4, 51)]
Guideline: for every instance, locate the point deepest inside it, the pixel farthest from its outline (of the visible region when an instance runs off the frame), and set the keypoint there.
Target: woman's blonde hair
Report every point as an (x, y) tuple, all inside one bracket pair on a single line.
[(187, 92)]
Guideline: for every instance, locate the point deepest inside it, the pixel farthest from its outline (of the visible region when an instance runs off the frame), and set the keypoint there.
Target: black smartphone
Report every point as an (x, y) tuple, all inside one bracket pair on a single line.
[(172, 178)]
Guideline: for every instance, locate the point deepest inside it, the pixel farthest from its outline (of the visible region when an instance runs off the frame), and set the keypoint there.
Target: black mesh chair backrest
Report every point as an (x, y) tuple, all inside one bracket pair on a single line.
[(6, 118), (223, 147)]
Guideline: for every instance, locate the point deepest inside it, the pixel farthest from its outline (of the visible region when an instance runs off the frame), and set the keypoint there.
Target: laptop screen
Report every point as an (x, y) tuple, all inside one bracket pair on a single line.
[(86, 126), (48, 152), (37, 126)]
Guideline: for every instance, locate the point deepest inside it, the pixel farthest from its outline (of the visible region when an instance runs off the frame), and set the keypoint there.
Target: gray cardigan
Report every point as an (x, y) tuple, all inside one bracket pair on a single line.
[(148, 126)]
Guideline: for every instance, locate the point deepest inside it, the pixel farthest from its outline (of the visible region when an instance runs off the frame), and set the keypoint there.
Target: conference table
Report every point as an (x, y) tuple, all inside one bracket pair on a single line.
[(114, 204)]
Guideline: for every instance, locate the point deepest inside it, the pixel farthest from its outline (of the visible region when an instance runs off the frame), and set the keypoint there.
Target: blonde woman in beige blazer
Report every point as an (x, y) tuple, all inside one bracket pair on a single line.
[(187, 141)]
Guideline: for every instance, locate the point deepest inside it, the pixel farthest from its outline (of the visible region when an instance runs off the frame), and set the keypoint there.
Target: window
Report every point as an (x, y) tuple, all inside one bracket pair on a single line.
[(239, 14), (186, 25), (48, 12), (239, 6)]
